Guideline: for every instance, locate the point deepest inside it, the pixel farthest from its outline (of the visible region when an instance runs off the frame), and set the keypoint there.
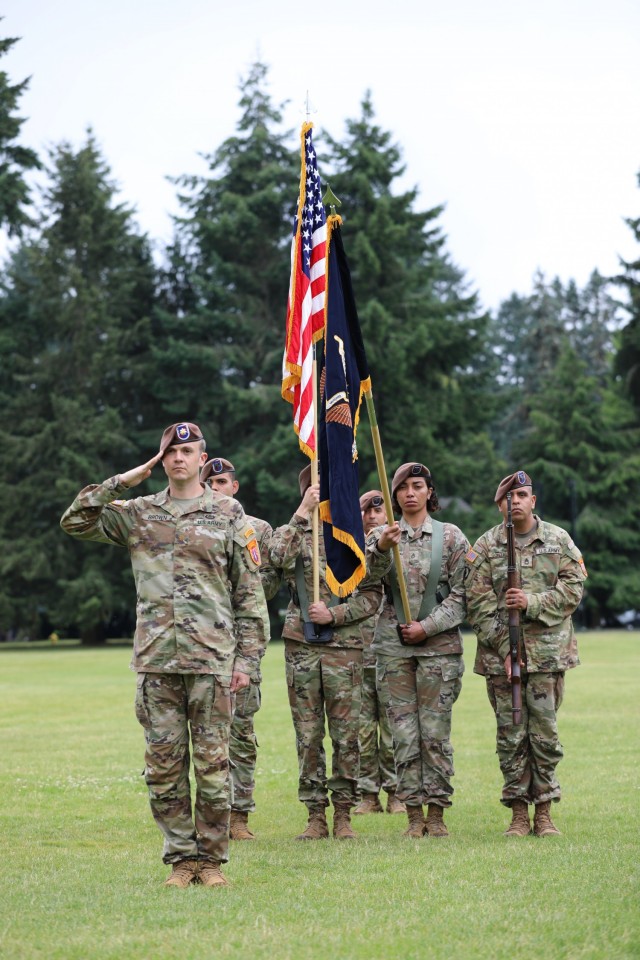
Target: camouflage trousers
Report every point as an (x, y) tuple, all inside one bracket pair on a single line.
[(325, 680), (170, 707), (528, 753), (377, 764), (243, 748), (419, 694)]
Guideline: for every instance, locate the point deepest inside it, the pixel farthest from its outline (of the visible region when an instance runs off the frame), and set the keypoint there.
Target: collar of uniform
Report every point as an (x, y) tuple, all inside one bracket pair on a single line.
[(427, 527), (163, 499), (538, 534)]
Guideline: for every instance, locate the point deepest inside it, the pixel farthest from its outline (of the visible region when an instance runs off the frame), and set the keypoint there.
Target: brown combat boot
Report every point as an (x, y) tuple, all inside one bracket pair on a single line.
[(239, 826), (520, 825), (342, 829), (316, 828), (543, 825), (210, 874), (183, 873), (370, 803), (416, 823), (434, 824), (394, 805)]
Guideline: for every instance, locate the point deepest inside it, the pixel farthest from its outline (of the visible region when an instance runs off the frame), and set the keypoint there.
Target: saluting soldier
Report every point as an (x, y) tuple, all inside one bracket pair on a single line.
[(551, 572), (201, 626), (323, 658), (377, 764), (419, 664), (220, 475)]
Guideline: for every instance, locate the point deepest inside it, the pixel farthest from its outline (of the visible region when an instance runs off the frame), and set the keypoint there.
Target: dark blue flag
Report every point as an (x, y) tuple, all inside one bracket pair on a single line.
[(344, 378)]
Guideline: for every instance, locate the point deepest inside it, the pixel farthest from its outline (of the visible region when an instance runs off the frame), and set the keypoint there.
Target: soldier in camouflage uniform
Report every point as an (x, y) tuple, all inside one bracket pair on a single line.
[(201, 627), (322, 678), (220, 475), (419, 664), (551, 574), (377, 764)]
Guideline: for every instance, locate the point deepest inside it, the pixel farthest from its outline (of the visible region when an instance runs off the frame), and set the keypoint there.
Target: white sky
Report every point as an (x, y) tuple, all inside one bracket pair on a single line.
[(524, 119)]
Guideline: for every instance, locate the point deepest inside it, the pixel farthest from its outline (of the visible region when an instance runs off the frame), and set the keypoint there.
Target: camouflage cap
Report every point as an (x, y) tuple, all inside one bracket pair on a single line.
[(408, 470), (304, 479), (512, 482), (180, 433), (215, 467), (372, 498)]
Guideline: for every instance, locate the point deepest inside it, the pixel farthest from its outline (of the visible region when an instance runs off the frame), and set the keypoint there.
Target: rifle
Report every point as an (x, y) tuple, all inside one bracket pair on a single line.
[(514, 622)]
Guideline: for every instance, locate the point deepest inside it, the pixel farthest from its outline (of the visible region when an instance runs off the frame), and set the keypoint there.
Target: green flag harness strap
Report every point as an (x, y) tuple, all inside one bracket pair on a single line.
[(303, 596), (431, 595)]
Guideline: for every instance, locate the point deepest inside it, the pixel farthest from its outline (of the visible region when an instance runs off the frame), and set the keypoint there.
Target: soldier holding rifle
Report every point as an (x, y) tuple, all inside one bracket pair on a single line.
[(550, 573)]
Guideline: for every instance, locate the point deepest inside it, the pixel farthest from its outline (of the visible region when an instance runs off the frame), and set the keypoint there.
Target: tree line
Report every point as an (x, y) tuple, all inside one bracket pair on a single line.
[(103, 346)]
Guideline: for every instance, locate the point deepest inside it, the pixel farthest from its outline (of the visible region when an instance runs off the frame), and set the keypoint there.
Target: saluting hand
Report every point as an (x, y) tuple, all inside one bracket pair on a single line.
[(389, 536), (133, 477)]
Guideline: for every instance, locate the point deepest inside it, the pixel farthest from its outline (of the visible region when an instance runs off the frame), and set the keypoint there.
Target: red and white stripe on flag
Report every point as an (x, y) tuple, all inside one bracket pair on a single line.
[(306, 306)]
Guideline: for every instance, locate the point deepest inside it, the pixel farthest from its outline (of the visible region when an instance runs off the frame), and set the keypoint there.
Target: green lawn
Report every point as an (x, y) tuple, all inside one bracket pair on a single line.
[(82, 875)]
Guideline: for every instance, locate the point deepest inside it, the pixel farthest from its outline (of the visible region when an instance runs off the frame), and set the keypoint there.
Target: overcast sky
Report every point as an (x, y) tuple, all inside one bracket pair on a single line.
[(524, 119)]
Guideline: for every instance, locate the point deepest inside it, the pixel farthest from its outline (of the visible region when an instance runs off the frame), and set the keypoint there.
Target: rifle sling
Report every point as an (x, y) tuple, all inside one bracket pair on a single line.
[(430, 597)]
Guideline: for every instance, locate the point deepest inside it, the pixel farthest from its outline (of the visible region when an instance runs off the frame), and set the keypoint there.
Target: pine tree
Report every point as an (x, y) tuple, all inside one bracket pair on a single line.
[(15, 160), (628, 356), (75, 314), (221, 332), (424, 332)]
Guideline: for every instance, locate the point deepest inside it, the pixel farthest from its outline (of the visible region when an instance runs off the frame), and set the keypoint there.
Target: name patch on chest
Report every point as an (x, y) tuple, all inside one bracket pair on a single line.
[(547, 549), (158, 516)]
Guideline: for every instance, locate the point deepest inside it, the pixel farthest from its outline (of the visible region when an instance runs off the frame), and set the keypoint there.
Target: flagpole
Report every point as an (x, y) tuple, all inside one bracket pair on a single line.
[(315, 516), (384, 487)]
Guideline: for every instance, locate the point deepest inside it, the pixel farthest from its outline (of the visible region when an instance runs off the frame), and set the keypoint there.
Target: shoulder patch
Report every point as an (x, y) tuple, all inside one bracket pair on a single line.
[(582, 566), (249, 532), (254, 551), (471, 556)]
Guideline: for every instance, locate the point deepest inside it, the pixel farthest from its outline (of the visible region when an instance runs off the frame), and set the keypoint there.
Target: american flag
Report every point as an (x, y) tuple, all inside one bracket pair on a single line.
[(305, 309)]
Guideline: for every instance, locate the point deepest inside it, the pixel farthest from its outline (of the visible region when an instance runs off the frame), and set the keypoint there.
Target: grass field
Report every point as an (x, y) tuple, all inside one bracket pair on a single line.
[(82, 875)]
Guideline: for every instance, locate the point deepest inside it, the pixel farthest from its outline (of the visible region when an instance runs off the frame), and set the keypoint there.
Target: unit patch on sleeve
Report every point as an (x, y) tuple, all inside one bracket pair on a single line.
[(254, 551)]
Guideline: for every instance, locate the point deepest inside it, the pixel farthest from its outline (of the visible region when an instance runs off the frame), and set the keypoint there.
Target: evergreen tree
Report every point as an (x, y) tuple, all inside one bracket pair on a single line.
[(15, 160), (424, 332), (628, 356), (221, 331), (75, 308), (582, 447)]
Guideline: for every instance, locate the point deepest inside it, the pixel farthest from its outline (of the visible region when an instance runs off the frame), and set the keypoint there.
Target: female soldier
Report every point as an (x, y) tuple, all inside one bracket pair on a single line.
[(419, 664)]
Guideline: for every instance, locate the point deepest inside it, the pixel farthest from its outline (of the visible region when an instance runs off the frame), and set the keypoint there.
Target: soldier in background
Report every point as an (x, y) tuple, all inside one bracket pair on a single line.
[(220, 475), (377, 765), (419, 664), (201, 625), (323, 678), (551, 573)]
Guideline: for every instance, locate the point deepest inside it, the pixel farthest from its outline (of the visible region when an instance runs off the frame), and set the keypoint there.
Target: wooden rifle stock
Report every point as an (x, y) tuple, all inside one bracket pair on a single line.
[(514, 622)]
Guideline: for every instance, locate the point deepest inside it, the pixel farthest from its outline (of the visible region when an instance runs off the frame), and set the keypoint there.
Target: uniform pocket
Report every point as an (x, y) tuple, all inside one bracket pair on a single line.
[(452, 669), (142, 714)]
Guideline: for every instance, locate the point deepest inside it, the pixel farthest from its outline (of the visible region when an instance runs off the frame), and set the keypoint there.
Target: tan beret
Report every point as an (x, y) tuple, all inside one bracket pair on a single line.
[(408, 470), (215, 467), (512, 482), (180, 433), (367, 500), (304, 479)]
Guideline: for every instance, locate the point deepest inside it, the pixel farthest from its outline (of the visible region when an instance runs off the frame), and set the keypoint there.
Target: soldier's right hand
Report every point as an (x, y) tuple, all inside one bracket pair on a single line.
[(310, 500), (390, 535), (133, 477)]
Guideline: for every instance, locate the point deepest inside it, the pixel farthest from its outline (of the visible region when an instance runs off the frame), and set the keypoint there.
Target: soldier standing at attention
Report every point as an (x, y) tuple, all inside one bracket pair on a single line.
[(419, 664), (324, 675), (377, 765), (201, 626), (220, 475), (551, 573)]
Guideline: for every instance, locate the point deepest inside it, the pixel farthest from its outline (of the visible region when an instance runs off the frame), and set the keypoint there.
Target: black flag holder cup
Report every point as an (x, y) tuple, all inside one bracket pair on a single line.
[(514, 622)]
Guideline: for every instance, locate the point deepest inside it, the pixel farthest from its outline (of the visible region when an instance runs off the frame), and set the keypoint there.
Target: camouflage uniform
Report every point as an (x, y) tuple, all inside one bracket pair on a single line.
[(420, 683), (201, 614), (551, 573), (326, 677), (243, 744), (377, 764)]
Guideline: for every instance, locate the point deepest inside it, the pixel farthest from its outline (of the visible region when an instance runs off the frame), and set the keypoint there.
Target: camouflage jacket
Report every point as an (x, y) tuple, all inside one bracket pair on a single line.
[(270, 576), (200, 604), (294, 539), (551, 572), (368, 632), (442, 625)]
